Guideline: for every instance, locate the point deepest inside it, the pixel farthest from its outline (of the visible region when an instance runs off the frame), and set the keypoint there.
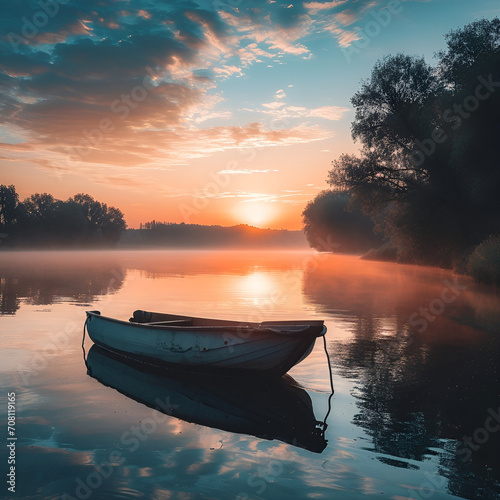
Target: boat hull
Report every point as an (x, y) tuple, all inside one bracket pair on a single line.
[(244, 348)]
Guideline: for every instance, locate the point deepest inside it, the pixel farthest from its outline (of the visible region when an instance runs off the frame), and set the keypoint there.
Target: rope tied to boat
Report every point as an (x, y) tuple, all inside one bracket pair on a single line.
[(323, 424), (83, 342)]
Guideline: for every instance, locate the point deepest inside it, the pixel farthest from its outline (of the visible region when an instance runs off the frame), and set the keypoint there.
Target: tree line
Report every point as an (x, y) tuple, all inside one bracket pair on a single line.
[(42, 220), (427, 177), (173, 235)]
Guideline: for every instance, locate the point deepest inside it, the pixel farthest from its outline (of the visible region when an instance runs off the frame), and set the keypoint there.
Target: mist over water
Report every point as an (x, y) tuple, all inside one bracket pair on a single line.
[(415, 355)]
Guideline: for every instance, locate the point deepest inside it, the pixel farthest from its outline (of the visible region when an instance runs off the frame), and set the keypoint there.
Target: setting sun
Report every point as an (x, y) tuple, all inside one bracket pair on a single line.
[(256, 214)]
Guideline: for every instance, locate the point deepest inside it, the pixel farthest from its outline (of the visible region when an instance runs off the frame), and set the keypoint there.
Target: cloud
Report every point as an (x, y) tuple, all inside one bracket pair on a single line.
[(253, 53), (273, 105), (245, 171), (228, 71), (281, 37), (315, 7), (203, 116), (280, 94), (335, 16), (347, 17), (346, 37), (287, 196), (103, 86), (328, 112), (282, 111), (146, 149)]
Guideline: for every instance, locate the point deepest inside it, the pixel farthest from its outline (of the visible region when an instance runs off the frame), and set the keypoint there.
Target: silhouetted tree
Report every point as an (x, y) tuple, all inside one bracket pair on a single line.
[(36, 218), (41, 219), (113, 224), (430, 152), (9, 200), (331, 218), (67, 223), (102, 222), (467, 49), (38, 207)]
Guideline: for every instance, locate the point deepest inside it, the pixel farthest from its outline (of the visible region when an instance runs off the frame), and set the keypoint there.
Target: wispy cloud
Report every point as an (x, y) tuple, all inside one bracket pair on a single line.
[(285, 112), (263, 29), (228, 71), (280, 94), (273, 105), (315, 7), (245, 171)]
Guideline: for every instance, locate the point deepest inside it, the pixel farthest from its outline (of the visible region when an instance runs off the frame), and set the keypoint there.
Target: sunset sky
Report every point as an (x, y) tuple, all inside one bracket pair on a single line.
[(209, 112)]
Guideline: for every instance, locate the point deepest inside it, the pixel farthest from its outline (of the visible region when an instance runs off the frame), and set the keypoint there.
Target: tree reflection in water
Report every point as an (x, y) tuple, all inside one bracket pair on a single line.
[(44, 278), (419, 390)]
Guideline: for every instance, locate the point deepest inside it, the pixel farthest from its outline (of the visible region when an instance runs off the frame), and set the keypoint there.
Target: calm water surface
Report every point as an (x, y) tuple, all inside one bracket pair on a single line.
[(415, 355)]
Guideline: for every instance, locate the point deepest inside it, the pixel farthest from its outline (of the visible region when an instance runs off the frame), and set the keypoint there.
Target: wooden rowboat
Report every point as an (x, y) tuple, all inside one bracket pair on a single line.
[(268, 348)]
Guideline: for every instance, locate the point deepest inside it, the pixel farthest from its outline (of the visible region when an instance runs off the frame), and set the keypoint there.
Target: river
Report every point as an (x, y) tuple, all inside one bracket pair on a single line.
[(415, 361)]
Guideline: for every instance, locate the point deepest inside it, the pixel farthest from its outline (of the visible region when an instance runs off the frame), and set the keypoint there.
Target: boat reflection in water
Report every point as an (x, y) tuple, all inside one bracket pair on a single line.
[(269, 409)]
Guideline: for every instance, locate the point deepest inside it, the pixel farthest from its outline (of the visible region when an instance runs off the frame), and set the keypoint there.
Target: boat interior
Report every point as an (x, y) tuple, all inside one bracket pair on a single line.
[(160, 319)]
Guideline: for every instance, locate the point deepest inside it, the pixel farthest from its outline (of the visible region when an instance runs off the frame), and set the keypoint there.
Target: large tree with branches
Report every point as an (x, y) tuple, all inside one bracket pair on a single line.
[(429, 168)]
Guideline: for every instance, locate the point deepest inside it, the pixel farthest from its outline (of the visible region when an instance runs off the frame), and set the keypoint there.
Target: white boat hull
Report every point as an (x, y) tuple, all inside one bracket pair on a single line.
[(262, 349)]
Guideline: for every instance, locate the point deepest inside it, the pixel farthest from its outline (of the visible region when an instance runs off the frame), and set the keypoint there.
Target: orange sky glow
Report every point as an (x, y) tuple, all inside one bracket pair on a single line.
[(207, 113)]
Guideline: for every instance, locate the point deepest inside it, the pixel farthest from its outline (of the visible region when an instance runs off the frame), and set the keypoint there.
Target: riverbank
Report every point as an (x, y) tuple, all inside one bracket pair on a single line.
[(483, 263)]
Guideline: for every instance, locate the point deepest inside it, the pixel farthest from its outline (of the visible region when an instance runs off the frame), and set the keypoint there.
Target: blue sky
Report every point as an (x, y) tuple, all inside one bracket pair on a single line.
[(145, 104)]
